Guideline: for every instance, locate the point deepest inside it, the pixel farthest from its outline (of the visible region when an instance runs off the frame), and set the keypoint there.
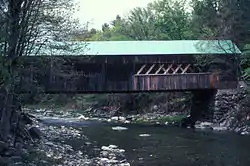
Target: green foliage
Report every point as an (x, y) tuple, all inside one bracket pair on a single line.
[(245, 64), (172, 19), (161, 20)]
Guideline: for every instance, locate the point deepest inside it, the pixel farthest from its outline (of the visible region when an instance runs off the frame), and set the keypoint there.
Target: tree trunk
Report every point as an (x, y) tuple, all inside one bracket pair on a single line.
[(9, 103)]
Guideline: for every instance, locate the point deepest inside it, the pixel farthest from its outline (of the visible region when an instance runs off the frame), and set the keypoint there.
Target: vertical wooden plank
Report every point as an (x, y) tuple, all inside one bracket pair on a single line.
[(189, 79), (156, 87), (149, 82), (174, 81), (139, 83), (194, 82), (170, 83), (204, 81), (163, 82), (168, 86), (152, 82), (143, 83), (184, 83), (160, 83), (133, 80), (181, 82)]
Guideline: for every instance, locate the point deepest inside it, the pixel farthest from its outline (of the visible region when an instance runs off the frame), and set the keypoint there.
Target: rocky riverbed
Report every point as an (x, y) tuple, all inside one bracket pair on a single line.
[(225, 122), (52, 149), (148, 118)]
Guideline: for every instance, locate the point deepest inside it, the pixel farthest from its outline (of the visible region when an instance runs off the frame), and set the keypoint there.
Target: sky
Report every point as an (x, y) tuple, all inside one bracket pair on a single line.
[(98, 12)]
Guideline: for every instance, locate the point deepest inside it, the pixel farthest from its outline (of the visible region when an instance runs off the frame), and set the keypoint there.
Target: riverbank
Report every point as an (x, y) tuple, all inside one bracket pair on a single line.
[(52, 148), (155, 119), (173, 118), (89, 141)]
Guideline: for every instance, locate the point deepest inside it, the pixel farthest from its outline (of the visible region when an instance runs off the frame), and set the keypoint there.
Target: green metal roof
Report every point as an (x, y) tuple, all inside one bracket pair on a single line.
[(171, 47)]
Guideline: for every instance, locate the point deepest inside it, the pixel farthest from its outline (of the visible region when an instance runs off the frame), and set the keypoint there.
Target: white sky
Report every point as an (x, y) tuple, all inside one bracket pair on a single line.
[(98, 12)]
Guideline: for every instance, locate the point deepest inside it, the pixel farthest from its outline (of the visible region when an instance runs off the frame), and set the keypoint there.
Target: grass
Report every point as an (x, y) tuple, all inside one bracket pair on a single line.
[(161, 120), (175, 118)]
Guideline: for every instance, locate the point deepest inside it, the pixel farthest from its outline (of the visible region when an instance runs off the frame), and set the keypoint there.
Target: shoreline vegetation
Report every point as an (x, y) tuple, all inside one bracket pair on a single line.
[(152, 118)]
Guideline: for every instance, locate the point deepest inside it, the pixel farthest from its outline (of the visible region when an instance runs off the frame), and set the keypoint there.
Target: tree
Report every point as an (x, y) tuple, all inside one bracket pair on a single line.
[(28, 26), (141, 23), (223, 19), (116, 31), (172, 19)]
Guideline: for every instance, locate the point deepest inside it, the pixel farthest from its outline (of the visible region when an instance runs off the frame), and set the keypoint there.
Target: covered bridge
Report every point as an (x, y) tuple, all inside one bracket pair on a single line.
[(133, 66)]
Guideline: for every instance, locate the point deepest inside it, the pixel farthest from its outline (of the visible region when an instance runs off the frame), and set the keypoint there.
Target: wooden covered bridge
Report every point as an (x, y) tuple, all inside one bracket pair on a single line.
[(132, 66)]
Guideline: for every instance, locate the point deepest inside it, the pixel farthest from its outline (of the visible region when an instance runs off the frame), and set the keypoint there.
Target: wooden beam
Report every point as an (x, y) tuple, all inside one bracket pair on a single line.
[(150, 69), (141, 69), (169, 67), (176, 70), (185, 69), (159, 69)]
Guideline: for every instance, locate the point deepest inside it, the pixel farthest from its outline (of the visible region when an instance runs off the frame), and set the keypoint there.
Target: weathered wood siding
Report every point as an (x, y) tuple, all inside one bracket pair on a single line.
[(136, 83), (176, 82), (105, 74)]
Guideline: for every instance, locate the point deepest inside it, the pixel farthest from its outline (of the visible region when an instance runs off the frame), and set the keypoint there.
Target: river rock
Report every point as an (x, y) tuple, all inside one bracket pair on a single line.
[(118, 118), (204, 125), (104, 160), (219, 128), (81, 117), (244, 133), (113, 146), (104, 153), (119, 128), (144, 135), (124, 164), (112, 161), (127, 121), (40, 110)]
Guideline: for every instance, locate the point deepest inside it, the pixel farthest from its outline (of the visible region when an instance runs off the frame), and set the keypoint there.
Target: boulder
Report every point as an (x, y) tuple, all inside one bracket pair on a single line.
[(35, 133)]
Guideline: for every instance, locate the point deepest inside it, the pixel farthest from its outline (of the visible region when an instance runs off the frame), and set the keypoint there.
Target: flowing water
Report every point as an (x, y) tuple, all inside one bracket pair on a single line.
[(168, 146)]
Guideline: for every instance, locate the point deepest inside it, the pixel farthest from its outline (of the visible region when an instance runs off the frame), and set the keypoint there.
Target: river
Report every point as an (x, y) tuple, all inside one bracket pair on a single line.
[(167, 146)]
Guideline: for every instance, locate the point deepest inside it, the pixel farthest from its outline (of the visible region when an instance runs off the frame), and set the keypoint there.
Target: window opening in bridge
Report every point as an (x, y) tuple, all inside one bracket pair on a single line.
[(160, 69)]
